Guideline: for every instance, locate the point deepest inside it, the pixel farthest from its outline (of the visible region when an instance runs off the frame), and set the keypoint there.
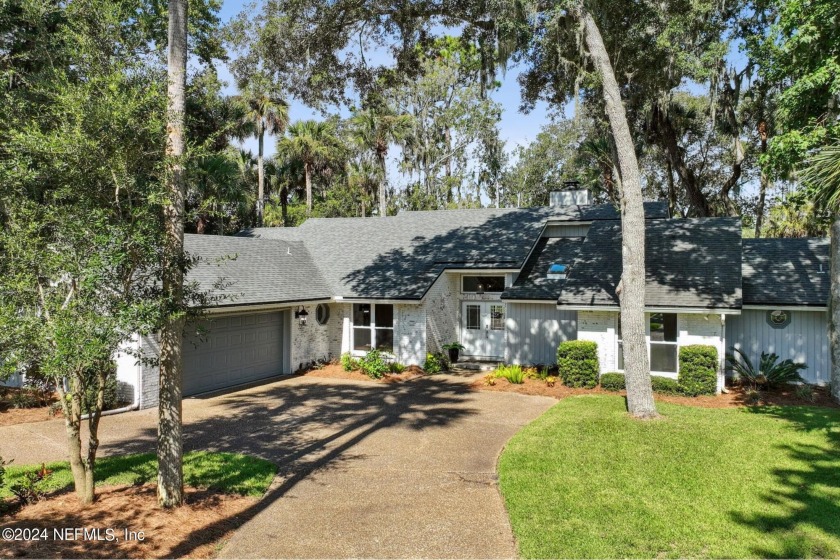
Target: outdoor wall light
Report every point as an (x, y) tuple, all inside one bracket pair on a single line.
[(480, 289), (301, 314)]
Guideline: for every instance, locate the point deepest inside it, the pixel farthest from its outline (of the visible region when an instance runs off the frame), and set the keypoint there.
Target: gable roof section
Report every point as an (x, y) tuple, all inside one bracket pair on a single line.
[(533, 282), (786, 272), (693, 263), (254, 271)]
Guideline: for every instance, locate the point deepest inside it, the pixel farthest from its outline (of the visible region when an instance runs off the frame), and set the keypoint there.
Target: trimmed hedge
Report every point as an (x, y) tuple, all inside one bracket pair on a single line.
[(577, 361), (698, 370), (665, 385), (612, 381)]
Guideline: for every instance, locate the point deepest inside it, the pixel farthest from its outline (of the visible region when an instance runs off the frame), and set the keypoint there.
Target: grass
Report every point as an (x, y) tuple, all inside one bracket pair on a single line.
[(586, 481), (227, 472)]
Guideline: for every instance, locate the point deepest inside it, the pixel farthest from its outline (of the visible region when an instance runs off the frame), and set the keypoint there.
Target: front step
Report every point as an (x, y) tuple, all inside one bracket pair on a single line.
[(473, 366)]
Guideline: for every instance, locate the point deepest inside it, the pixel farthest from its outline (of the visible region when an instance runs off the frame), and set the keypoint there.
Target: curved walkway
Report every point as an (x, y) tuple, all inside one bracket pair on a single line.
[(366, 470)]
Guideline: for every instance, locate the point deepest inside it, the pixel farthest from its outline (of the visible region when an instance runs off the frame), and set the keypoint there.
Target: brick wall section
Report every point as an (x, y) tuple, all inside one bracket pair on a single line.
[(442, 312), (410, 334), (600, 327), (338, 329), (310, 342)]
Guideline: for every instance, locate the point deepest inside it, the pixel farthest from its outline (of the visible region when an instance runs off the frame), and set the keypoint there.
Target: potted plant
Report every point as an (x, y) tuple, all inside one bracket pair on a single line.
[(453, 348)]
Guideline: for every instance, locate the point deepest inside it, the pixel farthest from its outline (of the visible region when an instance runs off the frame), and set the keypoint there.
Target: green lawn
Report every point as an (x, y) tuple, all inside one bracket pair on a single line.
[(586, 481), (228, 472)]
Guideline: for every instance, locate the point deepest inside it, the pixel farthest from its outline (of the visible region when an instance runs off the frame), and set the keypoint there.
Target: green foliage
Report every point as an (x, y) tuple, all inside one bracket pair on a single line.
[(783, 461), (770, 371), (453, 346), (348, 362), (32, 486), (435, 363), (806, 393), (612, 381), (577, 361), (396, 368), (227, 472), (374, 365), (665, 385), (111, 394), (513, 373), (698, 370)]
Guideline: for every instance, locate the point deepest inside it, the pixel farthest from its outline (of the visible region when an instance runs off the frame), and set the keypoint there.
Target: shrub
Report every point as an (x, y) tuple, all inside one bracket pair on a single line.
[(435, 363), (490, 379), (373, 364), (348, 362), (698, 370), (550, 380), (396, 367), (24, 398), (806, 393), (31, 487), (770, 371), (612, 381), (665, 385), (752, 396), (577, 361), (514, 374), (111, 394)]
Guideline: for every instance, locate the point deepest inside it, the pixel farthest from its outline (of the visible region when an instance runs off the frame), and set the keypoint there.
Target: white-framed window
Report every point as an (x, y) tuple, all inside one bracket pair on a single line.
[(373, 327), (662, 343), (482, 284)]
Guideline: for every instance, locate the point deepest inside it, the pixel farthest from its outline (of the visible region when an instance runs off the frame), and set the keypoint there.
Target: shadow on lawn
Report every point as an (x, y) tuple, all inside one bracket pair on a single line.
[(304, 428), (807, 490)]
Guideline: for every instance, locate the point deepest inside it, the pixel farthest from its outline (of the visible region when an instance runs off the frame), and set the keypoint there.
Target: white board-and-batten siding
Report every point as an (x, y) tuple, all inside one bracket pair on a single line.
[(534, 330), (805, 339)]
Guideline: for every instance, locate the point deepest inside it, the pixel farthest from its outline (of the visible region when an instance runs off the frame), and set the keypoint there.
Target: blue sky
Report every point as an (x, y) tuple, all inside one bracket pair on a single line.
[(516, 128)]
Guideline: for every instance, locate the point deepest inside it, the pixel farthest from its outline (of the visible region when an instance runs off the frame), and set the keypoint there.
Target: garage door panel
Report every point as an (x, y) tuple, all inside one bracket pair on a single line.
[(235, 350)]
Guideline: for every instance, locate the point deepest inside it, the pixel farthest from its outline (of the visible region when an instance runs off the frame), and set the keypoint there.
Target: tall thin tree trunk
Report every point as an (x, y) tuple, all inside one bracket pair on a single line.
[(170, 437), (307, 173), (631, 288), (672, 190), (383, 188), (284, 205), (763, 182), (260, 174), (834, 309)]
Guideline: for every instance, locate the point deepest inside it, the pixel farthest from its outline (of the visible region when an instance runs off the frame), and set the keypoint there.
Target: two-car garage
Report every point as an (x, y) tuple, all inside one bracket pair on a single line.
[(237, 349)]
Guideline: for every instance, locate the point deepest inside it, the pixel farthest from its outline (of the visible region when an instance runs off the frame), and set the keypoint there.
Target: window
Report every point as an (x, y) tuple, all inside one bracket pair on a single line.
[(470, 284), (373, 327), (322, 314), (663, 342), (497, 317), (662, 349), (474, 317)]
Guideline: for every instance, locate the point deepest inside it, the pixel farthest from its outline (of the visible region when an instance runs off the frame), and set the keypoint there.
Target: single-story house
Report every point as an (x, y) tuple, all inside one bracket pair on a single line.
[(509, 284)]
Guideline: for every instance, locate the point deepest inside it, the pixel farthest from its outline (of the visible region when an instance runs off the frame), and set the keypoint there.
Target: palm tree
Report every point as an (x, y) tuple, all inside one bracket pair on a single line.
[(314, 144), (375, 130), (823, 175), (265, 112)]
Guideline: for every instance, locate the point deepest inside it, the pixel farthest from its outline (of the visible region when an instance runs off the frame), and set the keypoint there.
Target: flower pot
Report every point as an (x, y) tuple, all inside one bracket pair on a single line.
[(453, 354)]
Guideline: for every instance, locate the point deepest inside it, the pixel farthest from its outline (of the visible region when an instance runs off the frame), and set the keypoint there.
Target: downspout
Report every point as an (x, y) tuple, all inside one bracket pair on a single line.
[(135, 405)]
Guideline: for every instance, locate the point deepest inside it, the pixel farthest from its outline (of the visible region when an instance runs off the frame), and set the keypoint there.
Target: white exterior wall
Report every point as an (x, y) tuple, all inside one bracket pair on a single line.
[(707, 329), (443, 312), (805, 339), (600, 327), (310, 342), (129, 370), (339, 328), (410, 334)]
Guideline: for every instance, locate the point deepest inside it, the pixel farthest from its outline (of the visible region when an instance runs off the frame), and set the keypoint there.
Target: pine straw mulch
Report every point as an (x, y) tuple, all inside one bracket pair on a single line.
[(736, 397), (197, 530), (335, 371), (10, 416)]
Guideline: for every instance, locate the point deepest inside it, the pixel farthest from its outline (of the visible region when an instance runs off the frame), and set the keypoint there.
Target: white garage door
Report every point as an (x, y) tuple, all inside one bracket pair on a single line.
[(236, 350)]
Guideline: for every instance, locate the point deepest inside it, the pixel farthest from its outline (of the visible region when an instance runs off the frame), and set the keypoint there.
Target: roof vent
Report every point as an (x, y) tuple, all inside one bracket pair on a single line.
[(557, 272)]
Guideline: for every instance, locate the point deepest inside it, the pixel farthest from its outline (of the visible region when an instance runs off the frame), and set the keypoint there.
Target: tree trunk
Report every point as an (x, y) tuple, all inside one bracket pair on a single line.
[(383, 188), (672, 191), (72, 409), (260, 174), (834, 309), (631, 288), (170, 437), (307, 173), (284, 205), (763, 183)]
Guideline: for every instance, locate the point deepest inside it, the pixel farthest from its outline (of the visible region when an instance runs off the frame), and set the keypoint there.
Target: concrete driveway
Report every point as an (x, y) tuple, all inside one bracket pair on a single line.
[(366, 470)]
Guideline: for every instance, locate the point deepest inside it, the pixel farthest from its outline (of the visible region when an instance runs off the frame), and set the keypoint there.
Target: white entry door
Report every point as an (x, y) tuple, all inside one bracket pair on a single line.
[(483, 329)]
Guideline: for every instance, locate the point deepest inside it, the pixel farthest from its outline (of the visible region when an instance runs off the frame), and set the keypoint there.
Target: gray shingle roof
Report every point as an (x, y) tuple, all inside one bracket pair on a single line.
[(252, 271), (689, 263), (533, 282), (786, 271), (399, 257)]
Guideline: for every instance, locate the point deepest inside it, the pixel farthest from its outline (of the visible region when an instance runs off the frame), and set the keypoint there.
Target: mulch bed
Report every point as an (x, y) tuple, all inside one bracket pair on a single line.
[(10, 416), (198, 529), (335, 371), (734, 398)]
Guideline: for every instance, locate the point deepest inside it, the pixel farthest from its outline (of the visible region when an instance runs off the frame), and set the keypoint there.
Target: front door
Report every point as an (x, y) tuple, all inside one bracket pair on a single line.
[(483, 329)]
